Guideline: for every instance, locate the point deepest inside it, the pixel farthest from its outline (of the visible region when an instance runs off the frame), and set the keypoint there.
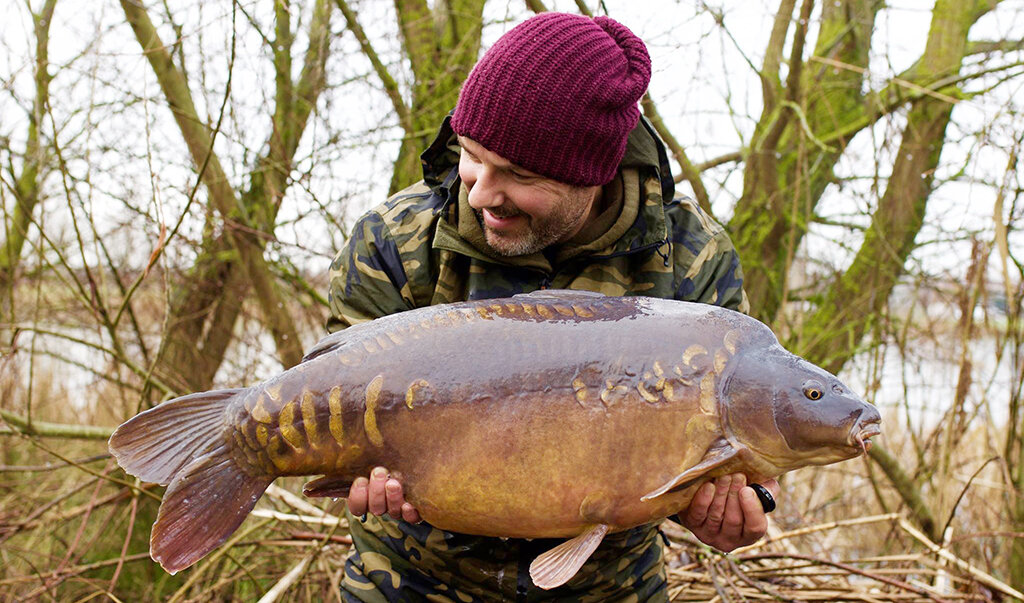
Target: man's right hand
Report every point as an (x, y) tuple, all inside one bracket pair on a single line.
[(379, 495)]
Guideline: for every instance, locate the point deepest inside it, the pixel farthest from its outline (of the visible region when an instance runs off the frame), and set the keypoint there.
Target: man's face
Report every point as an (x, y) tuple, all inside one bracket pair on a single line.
[(522, 212)]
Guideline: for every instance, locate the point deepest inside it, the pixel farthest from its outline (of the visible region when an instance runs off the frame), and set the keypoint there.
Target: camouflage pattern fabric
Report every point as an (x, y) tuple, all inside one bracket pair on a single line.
[(398, 561), (424, 246)]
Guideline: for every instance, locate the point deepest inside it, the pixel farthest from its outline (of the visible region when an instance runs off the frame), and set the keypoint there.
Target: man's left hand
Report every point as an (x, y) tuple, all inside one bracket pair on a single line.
[(727, 514)]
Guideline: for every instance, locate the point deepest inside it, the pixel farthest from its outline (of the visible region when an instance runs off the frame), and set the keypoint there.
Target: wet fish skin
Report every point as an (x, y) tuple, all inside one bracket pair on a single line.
[(544, 415)]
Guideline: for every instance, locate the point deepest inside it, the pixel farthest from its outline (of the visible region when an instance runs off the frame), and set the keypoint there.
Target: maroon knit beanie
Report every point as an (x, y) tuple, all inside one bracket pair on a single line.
[(557, 95)]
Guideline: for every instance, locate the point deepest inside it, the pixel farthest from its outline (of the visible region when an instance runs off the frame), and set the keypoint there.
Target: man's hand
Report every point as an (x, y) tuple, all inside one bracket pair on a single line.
[(379, 495), (726, 514)]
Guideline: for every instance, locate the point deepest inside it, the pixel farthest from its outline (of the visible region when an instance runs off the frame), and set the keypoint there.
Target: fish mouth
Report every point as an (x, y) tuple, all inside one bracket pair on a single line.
[(861, 437)]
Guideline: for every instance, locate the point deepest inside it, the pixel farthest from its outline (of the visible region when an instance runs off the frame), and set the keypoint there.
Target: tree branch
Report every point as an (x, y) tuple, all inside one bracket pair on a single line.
[(536, 6), (22, 425), (689, 171), (199, 142), (989, 46), (771, 81), (26, 187), (390, 85)]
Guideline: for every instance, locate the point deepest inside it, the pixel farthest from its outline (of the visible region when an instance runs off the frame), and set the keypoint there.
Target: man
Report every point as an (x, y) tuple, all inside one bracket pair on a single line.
[(544, 176)]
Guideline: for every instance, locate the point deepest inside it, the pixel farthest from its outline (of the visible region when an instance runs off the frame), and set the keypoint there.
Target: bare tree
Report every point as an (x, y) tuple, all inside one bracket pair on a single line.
[(441, 44), (27, 183), (206, 303)]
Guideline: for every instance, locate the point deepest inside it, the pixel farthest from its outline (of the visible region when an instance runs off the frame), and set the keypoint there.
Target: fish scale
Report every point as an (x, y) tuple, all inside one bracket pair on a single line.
[(557, 414)]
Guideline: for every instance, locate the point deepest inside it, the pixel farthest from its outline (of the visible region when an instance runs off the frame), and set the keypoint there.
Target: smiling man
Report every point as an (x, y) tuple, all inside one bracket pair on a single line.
[(521, 211), (544, 176)]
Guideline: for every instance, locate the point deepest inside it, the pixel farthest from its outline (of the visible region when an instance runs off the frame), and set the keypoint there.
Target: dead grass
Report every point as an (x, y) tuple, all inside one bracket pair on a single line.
[(73, 532), (73, 527)]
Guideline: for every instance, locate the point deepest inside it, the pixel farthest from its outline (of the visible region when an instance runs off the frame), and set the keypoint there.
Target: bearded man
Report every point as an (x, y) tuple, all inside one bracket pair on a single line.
[(544, 176)]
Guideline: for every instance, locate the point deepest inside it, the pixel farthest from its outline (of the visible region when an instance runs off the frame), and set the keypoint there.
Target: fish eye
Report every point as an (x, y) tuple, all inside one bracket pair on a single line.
[(813, 390)]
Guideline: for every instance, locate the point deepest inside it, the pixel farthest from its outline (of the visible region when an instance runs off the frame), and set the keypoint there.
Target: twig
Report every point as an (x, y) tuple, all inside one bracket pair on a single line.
[(296, 502), (896, 80), (127, 541), (721, 160), (133, 485), (70, 513), (321, 536), (288, 580), (979, 575), (817, 528), (43, 509), (21, 425), (761, 587), (323, 520), (846, 568), (80, 569), (51, 466), (795, 108), (89, 508)]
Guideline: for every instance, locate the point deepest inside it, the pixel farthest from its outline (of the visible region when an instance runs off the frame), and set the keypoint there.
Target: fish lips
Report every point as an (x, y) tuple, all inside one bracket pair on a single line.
[(865, 429)]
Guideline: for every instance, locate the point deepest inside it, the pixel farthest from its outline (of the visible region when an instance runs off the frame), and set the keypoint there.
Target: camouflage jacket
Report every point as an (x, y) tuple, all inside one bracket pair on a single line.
[(424, 246)]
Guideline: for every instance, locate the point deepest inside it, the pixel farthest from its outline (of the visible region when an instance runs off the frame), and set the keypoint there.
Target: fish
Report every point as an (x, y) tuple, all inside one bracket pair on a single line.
[(553, 414)]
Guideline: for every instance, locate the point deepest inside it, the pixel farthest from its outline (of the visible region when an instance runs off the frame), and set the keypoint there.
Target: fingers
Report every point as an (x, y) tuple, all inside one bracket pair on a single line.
[(378, 502), (395, 497), (357, 497), (697, 514), (755, 520), (733, 514), (409, 514), (773, 487), (716, 512), (379, 495), (726, 514)]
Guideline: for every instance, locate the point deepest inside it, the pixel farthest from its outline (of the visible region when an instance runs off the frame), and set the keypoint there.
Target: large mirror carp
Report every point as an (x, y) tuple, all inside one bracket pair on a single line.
[(556, 414)]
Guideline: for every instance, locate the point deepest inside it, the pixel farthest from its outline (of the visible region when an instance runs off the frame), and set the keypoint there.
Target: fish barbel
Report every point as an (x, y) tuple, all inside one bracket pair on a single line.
[(553, 414)]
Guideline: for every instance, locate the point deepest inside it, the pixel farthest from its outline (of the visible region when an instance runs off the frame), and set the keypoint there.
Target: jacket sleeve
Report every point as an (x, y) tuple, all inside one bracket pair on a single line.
[(718, 278), (367, 279), (705, 255)]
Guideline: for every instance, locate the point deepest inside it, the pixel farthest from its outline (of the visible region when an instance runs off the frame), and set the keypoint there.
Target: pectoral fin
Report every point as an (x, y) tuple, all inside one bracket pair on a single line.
[(557, 566), (328, 486), (715, 457)]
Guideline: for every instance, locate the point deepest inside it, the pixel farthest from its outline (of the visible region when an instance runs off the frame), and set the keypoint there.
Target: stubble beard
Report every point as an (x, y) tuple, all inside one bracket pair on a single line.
[(539, 233)]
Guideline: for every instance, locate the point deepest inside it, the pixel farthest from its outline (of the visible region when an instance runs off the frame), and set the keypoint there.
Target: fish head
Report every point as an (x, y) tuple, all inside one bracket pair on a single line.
[(791, 413)]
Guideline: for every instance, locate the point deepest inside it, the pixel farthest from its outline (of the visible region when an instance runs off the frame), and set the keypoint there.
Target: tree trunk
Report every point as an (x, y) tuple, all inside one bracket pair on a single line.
[(27, 184), (442, 45), (788, 165), (206, 305), (832, 333)]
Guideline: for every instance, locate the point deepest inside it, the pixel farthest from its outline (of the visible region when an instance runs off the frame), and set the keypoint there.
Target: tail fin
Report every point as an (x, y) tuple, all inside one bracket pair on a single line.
[(154, 445), (203, 506), (182, 443)]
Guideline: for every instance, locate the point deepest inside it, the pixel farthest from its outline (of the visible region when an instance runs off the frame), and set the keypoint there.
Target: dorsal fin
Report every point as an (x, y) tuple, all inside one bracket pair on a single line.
[(556, 567), (335, 340), (561, 295)]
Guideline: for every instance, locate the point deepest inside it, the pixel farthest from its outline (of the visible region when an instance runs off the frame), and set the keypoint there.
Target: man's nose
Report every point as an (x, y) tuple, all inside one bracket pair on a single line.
[(486, 191)]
